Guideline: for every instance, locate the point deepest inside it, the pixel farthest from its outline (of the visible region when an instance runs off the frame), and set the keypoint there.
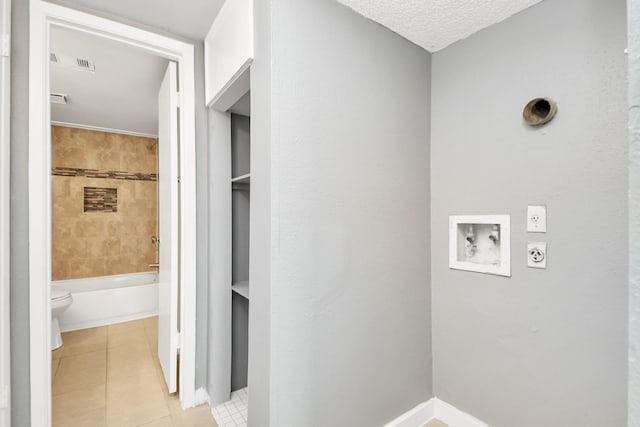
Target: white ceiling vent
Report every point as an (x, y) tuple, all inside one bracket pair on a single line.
[(59, 98), (81, 64), (86, 65)]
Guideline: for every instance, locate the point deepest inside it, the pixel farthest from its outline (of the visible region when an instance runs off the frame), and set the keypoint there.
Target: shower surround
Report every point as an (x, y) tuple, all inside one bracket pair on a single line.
[(89, 241)]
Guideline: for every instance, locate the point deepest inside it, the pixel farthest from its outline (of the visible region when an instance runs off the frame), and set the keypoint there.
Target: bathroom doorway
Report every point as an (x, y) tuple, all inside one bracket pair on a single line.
[(95, 173), (113, 139)]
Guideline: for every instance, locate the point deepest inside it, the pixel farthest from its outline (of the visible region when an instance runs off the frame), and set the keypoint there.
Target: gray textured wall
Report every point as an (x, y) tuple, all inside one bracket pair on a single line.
[(350, 292), (20, 208), (20, 410), (545, 347), (240, 145), (633, 16), (239, 342)]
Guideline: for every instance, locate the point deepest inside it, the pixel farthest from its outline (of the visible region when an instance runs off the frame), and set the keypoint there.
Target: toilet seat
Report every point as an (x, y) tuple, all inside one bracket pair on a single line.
[(59, 294)]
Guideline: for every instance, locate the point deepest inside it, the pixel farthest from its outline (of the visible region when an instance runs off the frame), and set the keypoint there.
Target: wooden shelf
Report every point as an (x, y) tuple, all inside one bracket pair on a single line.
[(241, 288), (242, 179)]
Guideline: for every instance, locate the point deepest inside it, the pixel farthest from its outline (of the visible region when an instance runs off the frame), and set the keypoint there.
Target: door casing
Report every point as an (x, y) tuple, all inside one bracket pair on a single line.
[(43, 16)]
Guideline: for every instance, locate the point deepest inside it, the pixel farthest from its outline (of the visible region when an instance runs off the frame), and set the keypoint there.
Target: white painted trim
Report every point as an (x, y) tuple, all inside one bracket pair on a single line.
[(186, 73), (108, 321), (435, 408), (101, 129), (39, 229), (237, 86), (228, 51), (5, 209), (202, 397), (453, 416), (416, 417), (42, 16)]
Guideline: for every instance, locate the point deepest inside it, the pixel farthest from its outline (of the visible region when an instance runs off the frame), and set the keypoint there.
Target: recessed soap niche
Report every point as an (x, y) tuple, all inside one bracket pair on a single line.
[(480, 243)]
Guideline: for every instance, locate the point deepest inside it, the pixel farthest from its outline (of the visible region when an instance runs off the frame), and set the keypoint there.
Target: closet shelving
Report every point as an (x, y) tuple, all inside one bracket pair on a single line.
[(240, 201), (241, 288), (240, 181)]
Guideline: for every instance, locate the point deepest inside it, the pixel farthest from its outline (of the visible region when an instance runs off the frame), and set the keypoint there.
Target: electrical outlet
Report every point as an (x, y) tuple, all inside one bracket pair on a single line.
[(537, 219), (537, 255)]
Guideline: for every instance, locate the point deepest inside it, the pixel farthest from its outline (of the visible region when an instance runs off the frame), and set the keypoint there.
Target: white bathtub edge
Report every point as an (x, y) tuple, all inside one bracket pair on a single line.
[(111, 305)]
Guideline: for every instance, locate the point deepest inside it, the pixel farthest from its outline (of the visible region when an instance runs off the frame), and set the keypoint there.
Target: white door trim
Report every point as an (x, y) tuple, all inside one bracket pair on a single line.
[(42, 16), (5, 109)]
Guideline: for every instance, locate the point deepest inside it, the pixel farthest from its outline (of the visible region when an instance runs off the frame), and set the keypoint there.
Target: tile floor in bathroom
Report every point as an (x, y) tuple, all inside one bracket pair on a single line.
[(110, 377)]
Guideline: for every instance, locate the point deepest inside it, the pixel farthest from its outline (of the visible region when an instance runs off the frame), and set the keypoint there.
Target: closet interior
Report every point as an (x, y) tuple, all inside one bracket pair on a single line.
[(240, 209)]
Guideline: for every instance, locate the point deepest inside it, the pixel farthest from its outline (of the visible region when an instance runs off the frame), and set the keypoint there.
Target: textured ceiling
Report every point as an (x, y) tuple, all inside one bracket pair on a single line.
[(435, 24)]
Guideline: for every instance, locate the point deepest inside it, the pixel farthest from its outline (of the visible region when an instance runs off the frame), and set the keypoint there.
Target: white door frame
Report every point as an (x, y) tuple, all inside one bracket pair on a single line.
[(5, 108), (43, 15)]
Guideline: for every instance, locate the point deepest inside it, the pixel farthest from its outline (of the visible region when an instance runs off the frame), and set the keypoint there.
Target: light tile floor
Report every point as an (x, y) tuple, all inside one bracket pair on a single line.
[(110, 377), (234, 412)]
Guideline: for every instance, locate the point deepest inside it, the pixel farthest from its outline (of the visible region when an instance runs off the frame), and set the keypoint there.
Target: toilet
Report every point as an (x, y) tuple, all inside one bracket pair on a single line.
[(61, 299)]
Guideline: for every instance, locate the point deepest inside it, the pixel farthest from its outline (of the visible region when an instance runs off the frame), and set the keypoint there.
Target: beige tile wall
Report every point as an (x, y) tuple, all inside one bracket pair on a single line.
[(102, 243)]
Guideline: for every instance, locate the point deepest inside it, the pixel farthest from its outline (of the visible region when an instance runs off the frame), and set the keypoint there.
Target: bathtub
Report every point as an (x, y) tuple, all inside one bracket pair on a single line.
[(99, 301)]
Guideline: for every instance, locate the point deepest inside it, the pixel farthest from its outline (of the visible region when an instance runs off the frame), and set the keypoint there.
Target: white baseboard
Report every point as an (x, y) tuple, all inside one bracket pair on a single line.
[(416, 417), (94, 323), (201, 396), (436, 409), (453, 416)]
